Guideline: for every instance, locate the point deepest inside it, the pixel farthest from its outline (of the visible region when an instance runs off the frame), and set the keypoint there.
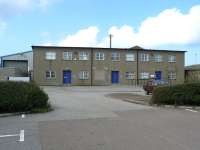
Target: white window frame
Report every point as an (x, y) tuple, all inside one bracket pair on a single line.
[(99, 56), (171, 58), (83, 75), (50, 55), (83, 56), (67, 55), (52, 74), (130, 75), (144, 57), (158, 58), (130, 57), (172, 75), (115, 56), (144, 75)]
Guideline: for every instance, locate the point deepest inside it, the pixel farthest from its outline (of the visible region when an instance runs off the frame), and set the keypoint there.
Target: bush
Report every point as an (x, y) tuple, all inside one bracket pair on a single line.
[(21, 97), (183, 94)]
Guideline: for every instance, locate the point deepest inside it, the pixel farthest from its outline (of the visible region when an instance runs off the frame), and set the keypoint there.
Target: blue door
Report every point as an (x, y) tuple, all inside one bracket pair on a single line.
[(115, 77), (158, 75), (67, 77)]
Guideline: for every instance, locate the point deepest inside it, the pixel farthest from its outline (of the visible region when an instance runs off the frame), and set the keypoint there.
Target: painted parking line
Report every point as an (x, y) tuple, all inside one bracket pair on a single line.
[(23, 116), (20, 135), (192, 110)]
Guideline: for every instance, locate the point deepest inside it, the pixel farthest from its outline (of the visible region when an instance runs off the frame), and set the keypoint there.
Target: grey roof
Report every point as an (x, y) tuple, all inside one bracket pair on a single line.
[(15, 54), (135, 48), (193, 67)]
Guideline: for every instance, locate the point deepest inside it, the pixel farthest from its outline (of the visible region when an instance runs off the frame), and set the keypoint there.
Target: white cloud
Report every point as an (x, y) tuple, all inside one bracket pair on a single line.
[(171, 26), (84, 37)]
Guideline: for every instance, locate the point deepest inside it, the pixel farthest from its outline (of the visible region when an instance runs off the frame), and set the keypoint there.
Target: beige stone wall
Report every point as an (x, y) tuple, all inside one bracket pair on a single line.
[(6, 72), (101, 70)]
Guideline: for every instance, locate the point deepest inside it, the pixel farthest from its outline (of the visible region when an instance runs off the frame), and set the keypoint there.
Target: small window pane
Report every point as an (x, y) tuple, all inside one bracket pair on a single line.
[(47, 74), (53, 74)]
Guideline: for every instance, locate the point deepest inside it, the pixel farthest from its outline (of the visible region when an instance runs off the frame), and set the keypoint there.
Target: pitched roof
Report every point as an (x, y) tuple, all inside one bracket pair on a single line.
[(136, 47)]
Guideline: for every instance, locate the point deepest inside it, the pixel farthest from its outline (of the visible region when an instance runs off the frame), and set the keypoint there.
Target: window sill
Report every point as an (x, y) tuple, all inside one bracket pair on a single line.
[(115, 60), (50, 78)]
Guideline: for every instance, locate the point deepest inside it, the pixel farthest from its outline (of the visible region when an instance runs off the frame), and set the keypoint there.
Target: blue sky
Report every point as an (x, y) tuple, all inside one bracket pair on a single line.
[(166, 24)]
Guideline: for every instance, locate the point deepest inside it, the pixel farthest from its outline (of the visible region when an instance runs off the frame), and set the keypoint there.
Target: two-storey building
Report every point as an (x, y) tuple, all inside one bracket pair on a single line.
[(105, 66)]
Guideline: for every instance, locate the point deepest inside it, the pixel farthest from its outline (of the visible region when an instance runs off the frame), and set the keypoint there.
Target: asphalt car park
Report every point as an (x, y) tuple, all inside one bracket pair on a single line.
[(85, 119)]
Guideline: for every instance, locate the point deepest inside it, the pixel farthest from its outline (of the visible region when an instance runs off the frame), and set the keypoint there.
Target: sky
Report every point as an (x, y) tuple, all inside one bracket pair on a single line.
[(155, 24)]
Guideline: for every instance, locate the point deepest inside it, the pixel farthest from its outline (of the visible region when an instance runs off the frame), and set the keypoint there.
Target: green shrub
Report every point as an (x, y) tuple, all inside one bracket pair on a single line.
[(21, 97), (183, 94)]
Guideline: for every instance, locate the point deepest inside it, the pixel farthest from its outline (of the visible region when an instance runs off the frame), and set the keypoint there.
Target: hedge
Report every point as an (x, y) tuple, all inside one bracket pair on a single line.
[(21, 97), (183, 94)]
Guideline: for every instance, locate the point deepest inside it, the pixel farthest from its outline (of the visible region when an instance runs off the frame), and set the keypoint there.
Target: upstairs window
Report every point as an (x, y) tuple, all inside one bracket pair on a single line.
[(99, 56), (130, 57), (158, 58), (84, 75), (50, 74), (115, 56), (50, 55), (67, 55), (171, 58), (83, 56), (144, 57)]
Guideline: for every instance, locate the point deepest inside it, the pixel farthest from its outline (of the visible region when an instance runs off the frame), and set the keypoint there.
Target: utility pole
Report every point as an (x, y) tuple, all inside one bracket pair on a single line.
[(110, 37)]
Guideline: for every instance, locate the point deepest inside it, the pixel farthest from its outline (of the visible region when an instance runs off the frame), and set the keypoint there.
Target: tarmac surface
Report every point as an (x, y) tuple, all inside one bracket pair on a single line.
[(85, 119)]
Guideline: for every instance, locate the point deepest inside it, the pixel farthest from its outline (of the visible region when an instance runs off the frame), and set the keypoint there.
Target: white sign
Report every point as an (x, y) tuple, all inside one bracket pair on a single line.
[(24, 79)]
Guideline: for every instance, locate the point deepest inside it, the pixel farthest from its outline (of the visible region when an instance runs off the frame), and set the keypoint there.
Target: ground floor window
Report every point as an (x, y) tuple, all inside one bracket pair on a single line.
[(130, 75), (84, 75), (144, 75), (50, 74), (172, 75)]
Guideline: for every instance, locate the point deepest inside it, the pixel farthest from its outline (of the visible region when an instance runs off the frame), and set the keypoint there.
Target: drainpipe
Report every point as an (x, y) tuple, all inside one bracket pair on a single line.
[(137, 66), (91, 68)]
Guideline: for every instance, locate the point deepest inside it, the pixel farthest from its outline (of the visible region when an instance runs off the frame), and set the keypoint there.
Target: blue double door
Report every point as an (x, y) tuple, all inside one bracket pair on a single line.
[(67, 75), (115, 77), (158, 75)]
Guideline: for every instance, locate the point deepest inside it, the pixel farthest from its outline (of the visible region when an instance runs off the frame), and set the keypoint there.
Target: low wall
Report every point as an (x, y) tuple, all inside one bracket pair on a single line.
[(6, 72)]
